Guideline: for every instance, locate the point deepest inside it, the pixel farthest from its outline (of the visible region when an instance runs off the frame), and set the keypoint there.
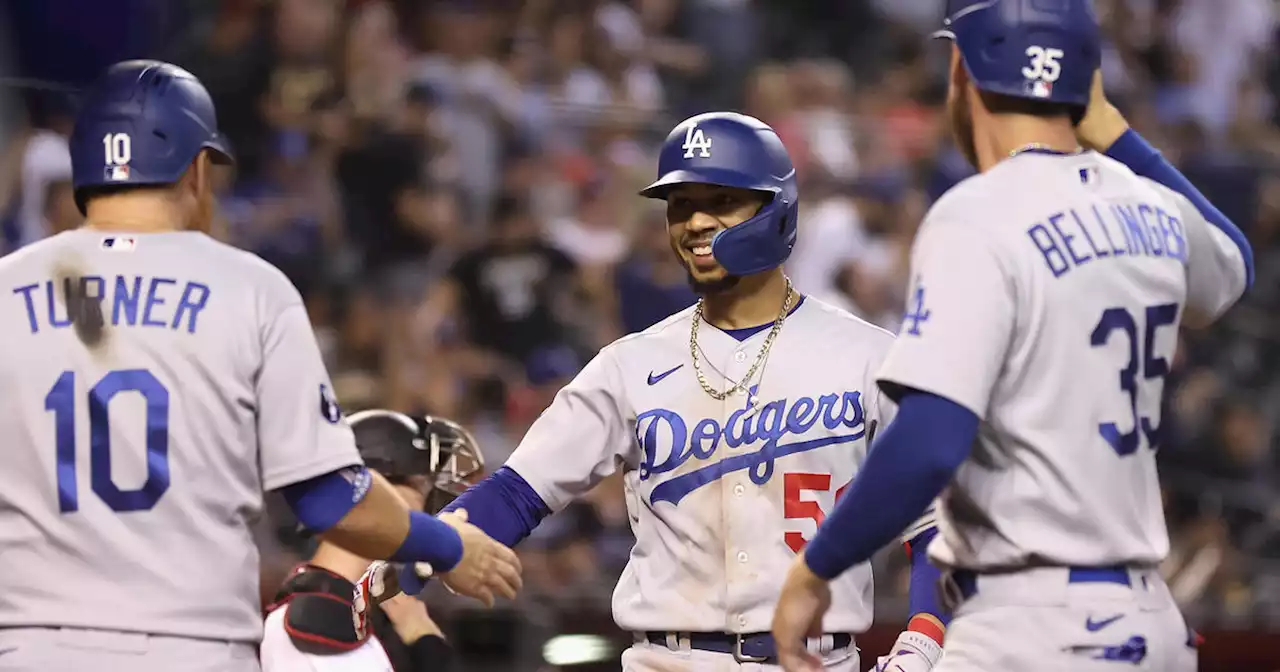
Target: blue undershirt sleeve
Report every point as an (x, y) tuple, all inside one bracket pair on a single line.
[(913, 459), (504, 505), (320, 502), (923, 598), (1134, 151)]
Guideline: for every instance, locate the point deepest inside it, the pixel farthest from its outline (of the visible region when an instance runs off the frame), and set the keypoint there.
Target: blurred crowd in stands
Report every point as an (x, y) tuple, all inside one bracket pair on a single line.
[(451, 185)]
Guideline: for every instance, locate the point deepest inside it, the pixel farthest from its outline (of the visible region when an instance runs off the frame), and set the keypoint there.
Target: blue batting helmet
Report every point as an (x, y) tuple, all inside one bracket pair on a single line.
[(734, 150), (1039, 49), (142, 123)]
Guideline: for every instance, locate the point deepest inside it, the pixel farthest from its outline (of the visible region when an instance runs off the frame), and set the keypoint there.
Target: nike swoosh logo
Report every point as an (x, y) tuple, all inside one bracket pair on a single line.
[(1094, 626), (655, 378)]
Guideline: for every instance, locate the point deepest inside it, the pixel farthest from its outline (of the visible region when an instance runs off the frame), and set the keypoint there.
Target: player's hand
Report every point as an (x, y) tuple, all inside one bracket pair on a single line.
[(912, 652), (805, 599), (408, 615), (377, 585), (487, 568), (1102, 124)]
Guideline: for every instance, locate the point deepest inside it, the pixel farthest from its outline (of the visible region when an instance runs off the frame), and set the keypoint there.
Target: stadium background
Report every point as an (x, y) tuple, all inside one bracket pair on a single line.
[(451, 185)]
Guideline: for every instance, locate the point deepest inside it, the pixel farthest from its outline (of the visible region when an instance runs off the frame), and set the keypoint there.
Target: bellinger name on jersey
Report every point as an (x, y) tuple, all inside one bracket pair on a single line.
[(667, 443), (1120, 231), (125, 300)]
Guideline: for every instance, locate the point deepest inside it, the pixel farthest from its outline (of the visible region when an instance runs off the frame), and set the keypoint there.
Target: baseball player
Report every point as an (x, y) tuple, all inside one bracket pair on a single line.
[(156, 383), (309, 624), (737, 424), (1043, 312)]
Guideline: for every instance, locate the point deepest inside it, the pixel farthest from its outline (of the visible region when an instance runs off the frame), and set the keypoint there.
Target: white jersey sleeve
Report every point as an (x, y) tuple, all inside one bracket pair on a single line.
[(959, 318), (301, 432), (1216, 274), (580, 438)]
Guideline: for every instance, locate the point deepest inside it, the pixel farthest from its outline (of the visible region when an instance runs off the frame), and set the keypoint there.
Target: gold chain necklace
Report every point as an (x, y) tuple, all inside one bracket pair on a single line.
[(1029, 147), (744, 384)]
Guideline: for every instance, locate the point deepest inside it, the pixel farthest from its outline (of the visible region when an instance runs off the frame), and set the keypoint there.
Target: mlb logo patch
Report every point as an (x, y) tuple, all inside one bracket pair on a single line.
[(1039, 88), (117, 173), (119, 243), (1089, 175)]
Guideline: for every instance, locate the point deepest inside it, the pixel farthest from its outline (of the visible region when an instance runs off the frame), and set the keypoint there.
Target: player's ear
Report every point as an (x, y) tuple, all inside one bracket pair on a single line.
[(959, 75), (202, 171), (189, 183), (197, 184)]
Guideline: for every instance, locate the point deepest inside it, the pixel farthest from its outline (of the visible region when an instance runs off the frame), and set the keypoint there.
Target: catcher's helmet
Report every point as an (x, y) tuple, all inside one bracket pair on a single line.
[(734, 150), (435, 455), (1039, 49), (142, 123)]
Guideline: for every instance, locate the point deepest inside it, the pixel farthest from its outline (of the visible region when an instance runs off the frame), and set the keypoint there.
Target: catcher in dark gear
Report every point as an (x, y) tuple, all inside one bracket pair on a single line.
[(434, 456), (429, 460)]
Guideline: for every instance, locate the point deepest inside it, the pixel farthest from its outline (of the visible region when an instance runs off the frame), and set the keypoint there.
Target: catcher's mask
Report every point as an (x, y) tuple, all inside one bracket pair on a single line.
[(436, 456)]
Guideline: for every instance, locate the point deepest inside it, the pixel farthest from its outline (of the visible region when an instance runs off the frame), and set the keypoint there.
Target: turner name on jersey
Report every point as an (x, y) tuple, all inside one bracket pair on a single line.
[(146, 443), (124, 300)]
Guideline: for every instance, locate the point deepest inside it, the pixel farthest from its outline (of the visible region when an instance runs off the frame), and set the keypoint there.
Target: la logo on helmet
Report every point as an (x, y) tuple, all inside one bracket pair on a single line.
[(696, 140)]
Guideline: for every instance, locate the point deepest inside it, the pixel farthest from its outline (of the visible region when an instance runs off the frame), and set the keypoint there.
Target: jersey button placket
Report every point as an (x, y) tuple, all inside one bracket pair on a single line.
[(733, 369)]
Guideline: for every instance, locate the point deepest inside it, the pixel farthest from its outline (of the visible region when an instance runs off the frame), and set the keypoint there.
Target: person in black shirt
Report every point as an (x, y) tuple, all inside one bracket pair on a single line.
[(509, 292)]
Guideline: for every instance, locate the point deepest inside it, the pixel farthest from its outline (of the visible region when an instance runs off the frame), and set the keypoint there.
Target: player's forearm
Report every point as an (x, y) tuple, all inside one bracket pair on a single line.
[(381, 526), (1134, 151), (504, 506), (914, 458)]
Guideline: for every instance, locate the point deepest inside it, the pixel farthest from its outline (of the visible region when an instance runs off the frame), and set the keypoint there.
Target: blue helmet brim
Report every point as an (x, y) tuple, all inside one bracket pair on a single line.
[(222, 153), (714, 176)]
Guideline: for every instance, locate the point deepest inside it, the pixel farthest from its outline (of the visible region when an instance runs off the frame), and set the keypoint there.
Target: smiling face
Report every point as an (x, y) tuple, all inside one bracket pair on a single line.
[(695, 213)]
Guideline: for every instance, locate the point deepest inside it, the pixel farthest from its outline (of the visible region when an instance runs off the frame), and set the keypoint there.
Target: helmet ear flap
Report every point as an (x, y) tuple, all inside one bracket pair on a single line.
[(787, 219)]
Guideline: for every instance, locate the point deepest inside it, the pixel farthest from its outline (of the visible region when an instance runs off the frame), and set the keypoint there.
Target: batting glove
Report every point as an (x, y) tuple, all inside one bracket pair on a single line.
[(912, 652), (381, 582)]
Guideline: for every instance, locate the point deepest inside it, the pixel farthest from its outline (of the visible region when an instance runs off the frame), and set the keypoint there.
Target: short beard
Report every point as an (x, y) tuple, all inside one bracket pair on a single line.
[(707, 287)]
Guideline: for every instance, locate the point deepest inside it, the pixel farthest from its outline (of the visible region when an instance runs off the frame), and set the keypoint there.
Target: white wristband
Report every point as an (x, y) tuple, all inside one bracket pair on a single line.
[(921, 644)]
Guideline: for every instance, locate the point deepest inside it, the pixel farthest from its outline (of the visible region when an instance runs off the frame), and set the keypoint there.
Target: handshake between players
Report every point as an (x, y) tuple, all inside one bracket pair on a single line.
[(485, 569)]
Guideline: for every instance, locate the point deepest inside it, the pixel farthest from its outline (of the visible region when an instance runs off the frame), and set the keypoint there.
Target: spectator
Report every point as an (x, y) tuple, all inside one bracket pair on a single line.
[(507, 293)]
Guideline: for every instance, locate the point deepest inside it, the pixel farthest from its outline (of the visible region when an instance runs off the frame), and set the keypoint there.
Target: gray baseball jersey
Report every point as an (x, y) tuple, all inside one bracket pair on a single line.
[(720, 499), (1046, 297), (135, 465)]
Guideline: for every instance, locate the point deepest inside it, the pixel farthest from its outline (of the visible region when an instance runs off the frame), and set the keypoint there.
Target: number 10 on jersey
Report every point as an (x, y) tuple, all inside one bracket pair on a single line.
[(61, 401)]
